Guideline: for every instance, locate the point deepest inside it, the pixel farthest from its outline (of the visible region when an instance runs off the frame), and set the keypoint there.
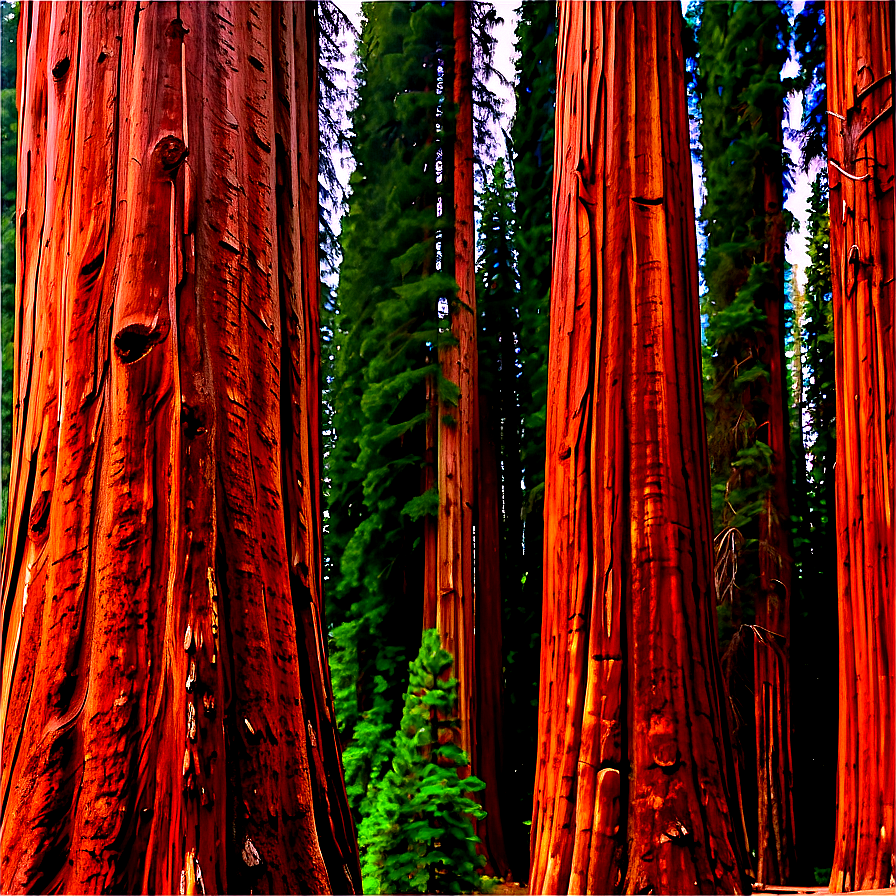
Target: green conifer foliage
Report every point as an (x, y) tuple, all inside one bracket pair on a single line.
[(815, 612), (532, 140), (810, 47), (500, 437), (419, 837), (819, 339), (815, 683), (386, 332), (741, 95), (497, 301), (742, 50)]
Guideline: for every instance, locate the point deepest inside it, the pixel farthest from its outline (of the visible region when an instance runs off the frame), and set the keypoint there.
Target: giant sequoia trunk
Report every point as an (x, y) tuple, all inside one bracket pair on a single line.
[(166, 712), (861, 170), (632, 790)]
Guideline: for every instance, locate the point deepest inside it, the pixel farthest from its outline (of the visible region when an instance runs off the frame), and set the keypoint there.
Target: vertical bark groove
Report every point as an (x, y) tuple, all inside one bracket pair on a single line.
[(862, 203)]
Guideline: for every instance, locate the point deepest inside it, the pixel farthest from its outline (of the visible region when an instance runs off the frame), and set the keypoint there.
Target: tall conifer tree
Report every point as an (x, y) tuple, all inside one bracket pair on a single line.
[(405, 510), (387, 334), (499, 526), (532, 142), (742, 48)]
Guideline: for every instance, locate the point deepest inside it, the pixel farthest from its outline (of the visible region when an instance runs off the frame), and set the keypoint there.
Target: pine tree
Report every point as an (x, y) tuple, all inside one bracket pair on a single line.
[(632, 788), (419, 836), (742, 48), (165, 708), (861, 169)]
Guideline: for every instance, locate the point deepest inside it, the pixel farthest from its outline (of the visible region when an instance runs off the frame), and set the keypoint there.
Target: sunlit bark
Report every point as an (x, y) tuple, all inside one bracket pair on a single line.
[(861, 172), (166, 712), (631, 788)]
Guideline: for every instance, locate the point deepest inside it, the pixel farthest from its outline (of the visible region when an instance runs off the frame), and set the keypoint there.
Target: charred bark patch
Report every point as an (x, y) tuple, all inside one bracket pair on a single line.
[(134, 341)]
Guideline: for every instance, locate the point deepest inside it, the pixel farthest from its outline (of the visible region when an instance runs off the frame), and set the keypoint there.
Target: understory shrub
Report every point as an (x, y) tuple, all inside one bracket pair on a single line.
[(419, 837)]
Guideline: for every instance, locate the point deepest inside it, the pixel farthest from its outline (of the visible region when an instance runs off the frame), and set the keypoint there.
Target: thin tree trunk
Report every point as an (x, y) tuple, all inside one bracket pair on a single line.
[(861, 169), (458, 425), (487, 749), (632, 787), (776, 859), (166, 710)]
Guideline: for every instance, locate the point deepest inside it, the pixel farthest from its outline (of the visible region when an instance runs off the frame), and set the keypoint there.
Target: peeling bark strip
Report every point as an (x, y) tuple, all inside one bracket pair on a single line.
[(862, 198), (631, 782), (166, 712)]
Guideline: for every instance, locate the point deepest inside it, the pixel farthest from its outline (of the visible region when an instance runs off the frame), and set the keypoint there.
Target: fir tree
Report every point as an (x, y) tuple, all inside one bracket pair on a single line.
[(418, 836)]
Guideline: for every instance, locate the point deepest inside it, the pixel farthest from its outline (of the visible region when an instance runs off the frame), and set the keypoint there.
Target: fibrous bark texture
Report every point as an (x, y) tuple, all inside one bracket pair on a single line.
[(459, 424), (469, 617), (166, 710), (861, 173), (775, 854), (631, 788)]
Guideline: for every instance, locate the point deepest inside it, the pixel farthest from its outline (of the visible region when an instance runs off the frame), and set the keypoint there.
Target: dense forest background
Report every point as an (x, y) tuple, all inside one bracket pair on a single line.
[(390, 255)]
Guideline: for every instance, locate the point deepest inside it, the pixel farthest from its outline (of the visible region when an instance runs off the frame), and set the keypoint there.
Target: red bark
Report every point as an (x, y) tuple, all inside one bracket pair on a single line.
[(861, 171), (631, 781), (458, 425), (469, 622), (166, 711)]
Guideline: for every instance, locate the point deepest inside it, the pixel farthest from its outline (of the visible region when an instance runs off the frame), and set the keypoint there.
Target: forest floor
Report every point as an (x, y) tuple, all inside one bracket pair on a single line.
[(521, 890)]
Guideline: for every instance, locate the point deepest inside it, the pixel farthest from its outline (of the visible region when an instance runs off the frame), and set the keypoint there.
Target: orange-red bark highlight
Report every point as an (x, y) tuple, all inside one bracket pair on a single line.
[(632, 790), (861, 172), (166, 712)]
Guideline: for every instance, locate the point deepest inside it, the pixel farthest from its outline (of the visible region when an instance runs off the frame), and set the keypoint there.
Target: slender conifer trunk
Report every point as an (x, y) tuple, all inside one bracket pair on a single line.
[(459, 424), (861, 173), (166, 712), (468, 612), (632, 787), (775, 855)]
